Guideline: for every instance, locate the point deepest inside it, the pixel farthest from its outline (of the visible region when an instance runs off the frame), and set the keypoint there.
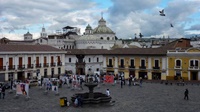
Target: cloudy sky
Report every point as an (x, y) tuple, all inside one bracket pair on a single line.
[(125, 17)]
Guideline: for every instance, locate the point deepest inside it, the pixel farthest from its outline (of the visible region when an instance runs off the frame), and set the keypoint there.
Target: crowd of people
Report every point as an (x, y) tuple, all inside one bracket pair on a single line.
[(76, 82)]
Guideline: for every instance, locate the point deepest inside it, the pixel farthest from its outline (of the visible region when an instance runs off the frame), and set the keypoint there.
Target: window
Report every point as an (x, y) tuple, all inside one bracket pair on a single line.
[(89, 60), (156, 63), (132, 62), (10, 76), (194, 63), (70, 60), (122, 62), (110, 62), (142, 62), (178, 63), (101, 47), (40, 40), (59, 71), (108, 38), (101, 38), (97, 59)]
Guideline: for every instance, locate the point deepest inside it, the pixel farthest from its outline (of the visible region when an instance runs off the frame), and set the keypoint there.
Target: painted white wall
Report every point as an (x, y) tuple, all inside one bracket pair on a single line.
[(16, 55)]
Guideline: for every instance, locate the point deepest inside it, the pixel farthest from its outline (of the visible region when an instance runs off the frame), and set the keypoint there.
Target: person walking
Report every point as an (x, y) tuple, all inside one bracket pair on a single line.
[(3, 91), (124, 80), (140, 81), (186, 94), (130, 80), (121, 82)]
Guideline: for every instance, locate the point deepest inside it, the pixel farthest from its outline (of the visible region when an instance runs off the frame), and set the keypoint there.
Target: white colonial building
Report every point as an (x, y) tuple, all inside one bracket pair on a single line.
[(27, 61), (84, 61)]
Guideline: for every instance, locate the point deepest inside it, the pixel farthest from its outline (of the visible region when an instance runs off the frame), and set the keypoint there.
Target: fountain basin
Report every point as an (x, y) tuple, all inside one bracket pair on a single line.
[(97, 98)]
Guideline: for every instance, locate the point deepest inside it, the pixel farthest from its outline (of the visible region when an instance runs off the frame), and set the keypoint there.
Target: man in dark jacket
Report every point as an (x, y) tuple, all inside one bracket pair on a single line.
[(186, 94)]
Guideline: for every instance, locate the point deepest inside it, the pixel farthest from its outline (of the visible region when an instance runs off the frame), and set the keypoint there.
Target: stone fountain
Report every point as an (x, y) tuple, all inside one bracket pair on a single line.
[(92, 97)]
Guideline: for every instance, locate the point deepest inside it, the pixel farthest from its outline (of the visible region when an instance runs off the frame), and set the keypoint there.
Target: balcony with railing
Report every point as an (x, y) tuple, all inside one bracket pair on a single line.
[(30, 66), (2, 68), (109, 65), (53, 64), (59, 64), (11, 67), (142, 67), (156, 68), (177, 67), (38, 65), (21, 66), (131, 67), (193, 68), (46, 64), (121, 66)]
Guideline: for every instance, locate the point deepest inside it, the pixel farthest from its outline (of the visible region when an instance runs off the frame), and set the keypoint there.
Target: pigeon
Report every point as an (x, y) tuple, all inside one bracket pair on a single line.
[(162, 13), (171, 25)]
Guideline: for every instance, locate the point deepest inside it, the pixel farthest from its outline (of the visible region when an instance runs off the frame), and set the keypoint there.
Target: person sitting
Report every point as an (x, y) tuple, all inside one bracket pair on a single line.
[(108, 92)]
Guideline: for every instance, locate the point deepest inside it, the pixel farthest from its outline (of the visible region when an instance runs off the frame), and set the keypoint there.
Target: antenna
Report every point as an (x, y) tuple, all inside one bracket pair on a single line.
[(101, 14)]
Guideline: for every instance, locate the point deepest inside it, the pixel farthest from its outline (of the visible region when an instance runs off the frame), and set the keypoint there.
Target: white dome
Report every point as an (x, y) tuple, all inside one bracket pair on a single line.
[(102, 28)]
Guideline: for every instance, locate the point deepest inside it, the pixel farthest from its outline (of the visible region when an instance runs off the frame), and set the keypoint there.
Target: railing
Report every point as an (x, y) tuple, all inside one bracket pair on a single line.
[(193, 68), (59, 63), (21, 66), (2, 68), (177, 67), (156, 68), (109, 65), (38, 65), (11, 67), (142, 67), (53, 64), (30, 66), (121, 66), (46, 64), (132, 66)]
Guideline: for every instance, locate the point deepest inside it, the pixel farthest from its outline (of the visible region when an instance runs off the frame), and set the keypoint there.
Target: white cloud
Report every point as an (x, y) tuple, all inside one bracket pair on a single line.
[(143, 16), (125, 18)]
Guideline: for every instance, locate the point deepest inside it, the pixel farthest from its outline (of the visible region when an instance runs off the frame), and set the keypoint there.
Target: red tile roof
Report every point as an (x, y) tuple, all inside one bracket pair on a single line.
[(27, 48), (119, 51), (181, 43), (87, 51)]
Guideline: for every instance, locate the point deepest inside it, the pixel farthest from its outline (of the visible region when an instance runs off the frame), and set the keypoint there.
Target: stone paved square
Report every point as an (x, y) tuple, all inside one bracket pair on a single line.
[(151, 97)]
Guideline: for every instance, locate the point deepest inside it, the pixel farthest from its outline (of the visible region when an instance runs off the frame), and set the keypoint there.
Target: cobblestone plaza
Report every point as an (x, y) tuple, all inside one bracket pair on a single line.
[(151, 97)]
